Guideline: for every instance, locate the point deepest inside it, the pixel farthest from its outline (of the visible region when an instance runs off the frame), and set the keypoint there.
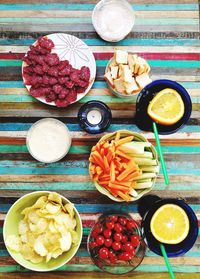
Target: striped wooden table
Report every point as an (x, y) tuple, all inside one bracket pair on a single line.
[(166, 33)]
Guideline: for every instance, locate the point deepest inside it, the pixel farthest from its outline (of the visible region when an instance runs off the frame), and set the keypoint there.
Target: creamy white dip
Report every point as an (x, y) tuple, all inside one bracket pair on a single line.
[(113, 19), (48, 140)]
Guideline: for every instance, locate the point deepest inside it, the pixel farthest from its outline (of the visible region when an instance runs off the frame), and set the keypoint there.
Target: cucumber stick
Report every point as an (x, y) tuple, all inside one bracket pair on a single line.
[(143, 185), (145, 161), (150, 168), (145, 176)]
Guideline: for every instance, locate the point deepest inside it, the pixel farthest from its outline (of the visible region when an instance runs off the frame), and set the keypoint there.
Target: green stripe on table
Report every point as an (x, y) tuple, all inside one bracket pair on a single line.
[(86, 7), (17, 98), (79, 20), (86, 186), (125, 42), (97, 84), (82, 149), (103, 63), (92, 267)]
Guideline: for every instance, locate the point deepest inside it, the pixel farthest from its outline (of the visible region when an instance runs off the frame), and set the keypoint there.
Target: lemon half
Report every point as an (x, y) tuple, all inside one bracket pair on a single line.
[(170, 224)]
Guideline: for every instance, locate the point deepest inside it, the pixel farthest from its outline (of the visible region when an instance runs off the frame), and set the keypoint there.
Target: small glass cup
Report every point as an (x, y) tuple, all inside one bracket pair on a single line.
[(111, 36), (120, 267)]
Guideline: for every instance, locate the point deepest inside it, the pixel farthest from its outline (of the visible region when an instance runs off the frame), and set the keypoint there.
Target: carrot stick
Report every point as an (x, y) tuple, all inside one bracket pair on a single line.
[(105, 177), (123, 183), (98, 170), (117, 136), (112, 172), (106, 163), (118, 187), (124, 140), (122, 154), (123, 196), (126, 172), (104, 183), (98, 159), (131, 176)]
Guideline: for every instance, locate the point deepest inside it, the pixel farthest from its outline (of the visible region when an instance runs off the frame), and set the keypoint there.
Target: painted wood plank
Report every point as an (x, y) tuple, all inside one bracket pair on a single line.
[(62, 6), (86, 13)]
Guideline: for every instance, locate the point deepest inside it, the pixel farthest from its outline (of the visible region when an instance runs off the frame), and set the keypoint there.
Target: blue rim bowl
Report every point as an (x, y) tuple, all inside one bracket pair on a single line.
[(174, 250), (144, 122)]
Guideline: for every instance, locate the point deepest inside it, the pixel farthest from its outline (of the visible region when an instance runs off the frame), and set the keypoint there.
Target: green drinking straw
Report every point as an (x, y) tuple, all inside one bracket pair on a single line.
[(167, 262), (160, 154)]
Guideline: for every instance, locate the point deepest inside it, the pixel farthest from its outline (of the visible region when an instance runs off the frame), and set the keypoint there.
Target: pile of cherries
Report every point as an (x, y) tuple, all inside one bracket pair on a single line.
[(114, 239)]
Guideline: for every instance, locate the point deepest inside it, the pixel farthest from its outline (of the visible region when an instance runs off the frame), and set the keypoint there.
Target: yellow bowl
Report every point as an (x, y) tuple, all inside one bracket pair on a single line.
[(137, 137), (10, 227)]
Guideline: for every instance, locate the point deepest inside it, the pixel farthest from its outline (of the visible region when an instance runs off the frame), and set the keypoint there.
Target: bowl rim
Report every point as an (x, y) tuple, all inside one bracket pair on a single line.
[(51, 119), (178, 88), (6, 220), (100, 219), (143, 191)]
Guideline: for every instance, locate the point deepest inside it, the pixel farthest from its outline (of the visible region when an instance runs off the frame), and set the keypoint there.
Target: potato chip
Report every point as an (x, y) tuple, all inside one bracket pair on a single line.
[(74, 236), (13, 243), (70, 209), (36, 259), (27, 252), (65, 242), (48, 257), (24, 238), (55, 198), (53, 209), (39, 246), (33, 217), (56, 253), (23, 227), (52, 227), (41, 202)]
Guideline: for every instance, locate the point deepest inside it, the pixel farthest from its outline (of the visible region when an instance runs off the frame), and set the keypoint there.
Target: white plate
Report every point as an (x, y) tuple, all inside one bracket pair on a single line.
[(70, 48)]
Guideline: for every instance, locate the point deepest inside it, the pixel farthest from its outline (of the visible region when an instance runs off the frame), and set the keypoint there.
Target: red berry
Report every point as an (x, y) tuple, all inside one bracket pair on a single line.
[(93, 244), (124, 238), (98, 229), (100, 240), (135, 240), (130, 225), (108, 242), (110, 225), (128, 247), (94, 234), (117, 236), (116, 246), (125, 256), (112, 257), (113, 218), (103, 253), (122, 221), (107, 233), (118, 227)]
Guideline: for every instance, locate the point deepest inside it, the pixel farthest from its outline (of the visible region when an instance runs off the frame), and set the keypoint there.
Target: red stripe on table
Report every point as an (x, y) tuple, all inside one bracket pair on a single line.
[(108, 55)]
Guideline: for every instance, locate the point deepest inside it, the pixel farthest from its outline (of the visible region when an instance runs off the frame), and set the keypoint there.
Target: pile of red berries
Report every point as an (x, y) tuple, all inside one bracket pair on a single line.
[(57, 81), (115, 239)]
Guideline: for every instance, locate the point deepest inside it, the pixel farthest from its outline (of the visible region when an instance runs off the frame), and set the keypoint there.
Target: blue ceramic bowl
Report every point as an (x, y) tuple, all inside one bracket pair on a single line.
[(144, 122), (174, 250)]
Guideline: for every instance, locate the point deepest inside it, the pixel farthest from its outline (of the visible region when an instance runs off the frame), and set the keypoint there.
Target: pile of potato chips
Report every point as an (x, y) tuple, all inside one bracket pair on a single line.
[(47, 230)]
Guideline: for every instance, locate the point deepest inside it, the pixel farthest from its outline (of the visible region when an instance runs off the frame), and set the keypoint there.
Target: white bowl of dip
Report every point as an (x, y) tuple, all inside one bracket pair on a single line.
[(48, 140), (113, 20)]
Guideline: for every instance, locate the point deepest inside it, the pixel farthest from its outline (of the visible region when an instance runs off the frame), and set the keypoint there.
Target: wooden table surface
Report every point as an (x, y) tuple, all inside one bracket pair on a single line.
[(166, 33)]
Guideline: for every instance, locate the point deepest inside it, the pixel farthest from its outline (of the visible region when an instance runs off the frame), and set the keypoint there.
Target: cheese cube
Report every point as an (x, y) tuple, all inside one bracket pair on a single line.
[(121, 56), (114, 71), (126, 74), (143, 80), (108, 77), (131, 87), (119, 85)]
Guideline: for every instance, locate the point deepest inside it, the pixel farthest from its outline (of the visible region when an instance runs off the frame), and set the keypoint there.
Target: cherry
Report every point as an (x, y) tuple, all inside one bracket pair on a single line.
[(113, 218), (118, 227), (108, 242), (98, 229), (124, 238), (118, 236), (130, 225), (94, 234), (116, 246), (103, 253), (135, 240), (128, 247), (125, 256), (122, 221), (107, 233), (110, 225), (93, 244), (100, 240), (112, 257)]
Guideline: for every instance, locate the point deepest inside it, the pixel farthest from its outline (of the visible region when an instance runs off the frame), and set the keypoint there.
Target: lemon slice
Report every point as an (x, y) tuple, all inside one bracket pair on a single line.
[(166, 107), (170, 224)]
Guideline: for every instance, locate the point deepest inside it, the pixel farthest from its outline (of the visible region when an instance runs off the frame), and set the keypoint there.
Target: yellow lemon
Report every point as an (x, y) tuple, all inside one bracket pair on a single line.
[(170, 224), (166, 107)]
